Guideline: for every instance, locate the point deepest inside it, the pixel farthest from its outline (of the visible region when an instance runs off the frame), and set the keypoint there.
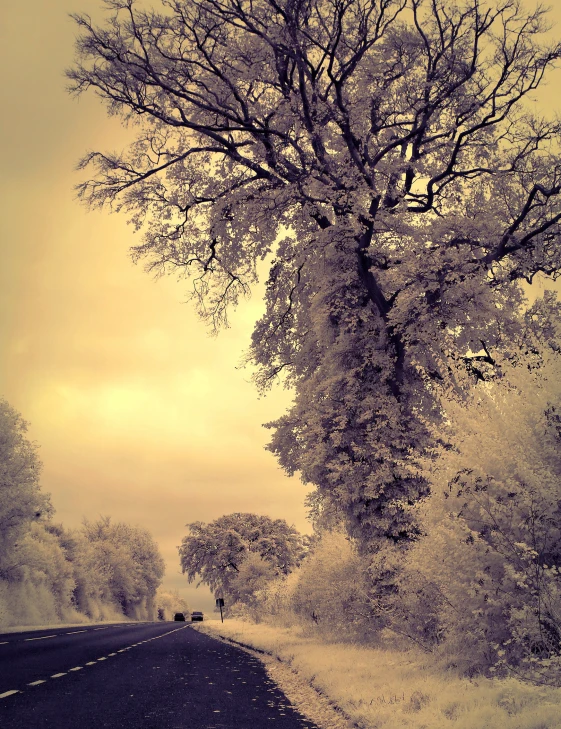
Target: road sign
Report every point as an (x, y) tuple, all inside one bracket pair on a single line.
[(220, 604)]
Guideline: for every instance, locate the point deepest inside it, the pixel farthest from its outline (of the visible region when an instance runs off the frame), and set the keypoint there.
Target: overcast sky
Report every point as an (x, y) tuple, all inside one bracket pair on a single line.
[(140, 414)]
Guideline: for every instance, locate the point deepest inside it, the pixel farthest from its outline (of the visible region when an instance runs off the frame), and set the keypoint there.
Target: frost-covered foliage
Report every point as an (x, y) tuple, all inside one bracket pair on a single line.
[(387, 689), (21, 500), (49, 574), (330, 594), (382, 156), (486, 577), (127, 565), (215, 553), (169, 602), (253, 576), (333, 590)]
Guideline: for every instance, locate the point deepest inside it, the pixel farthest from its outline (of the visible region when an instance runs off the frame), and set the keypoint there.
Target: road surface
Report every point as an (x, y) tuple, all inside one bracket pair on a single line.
[(135, 676)]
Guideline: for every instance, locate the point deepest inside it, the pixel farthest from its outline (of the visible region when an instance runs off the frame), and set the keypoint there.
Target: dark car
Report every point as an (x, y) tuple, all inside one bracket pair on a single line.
[(179, 616), (197, 615)]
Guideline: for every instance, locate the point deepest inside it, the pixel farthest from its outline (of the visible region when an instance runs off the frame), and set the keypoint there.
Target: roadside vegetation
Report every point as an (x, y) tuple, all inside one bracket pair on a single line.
[(387, 162), (478, 591), (104, 570), (381, 688)]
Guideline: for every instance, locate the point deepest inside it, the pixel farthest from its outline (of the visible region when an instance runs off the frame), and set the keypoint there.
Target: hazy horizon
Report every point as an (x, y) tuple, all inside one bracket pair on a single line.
[(140, 413)]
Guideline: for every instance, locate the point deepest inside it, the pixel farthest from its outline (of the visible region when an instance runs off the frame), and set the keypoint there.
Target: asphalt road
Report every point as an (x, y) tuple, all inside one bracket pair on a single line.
[(135, 675)]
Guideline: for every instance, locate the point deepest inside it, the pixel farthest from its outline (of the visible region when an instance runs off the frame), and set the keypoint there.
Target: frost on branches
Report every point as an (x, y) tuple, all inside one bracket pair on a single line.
[(381, 155)]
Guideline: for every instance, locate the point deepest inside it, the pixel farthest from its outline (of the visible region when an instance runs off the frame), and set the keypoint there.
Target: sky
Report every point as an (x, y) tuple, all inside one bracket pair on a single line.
[(139, 412)]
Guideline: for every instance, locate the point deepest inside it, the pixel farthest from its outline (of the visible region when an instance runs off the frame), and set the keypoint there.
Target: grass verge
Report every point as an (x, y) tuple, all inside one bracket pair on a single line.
[(380, 689)]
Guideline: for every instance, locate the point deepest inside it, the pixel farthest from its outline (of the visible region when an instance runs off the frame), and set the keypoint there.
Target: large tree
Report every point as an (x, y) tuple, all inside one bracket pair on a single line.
[(21, 500), (381, 155), (215, 552), (122, 563)]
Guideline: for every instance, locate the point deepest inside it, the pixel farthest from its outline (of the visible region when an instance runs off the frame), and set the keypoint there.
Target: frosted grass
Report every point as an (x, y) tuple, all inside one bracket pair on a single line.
[(381, 689)]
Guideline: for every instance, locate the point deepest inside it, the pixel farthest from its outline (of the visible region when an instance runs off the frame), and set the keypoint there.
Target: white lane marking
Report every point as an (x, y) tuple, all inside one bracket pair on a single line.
[(77, 668), (4, 642)]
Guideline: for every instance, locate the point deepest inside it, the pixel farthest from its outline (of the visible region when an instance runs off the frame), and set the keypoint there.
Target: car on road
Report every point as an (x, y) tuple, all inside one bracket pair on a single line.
[(179, 616), (197, 615)]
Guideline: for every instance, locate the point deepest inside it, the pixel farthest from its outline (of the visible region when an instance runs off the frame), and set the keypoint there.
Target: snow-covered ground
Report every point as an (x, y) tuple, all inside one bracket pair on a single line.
[(376, 689)]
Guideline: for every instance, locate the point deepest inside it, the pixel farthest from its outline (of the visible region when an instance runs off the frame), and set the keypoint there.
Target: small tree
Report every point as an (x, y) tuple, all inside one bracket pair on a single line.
[(215, 552), (169, 602)]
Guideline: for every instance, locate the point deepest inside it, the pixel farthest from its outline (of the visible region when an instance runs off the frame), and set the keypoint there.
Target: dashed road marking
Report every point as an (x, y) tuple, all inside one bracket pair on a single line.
[(4, 642), (89, 663)]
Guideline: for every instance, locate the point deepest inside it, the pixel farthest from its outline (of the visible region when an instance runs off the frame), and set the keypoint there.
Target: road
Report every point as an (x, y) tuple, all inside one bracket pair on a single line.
[(135, 675)]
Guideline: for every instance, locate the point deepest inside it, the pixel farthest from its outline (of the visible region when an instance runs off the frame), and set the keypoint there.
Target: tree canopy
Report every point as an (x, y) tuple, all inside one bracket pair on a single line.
[(215, 552), (123, 562), (380, 154), (21, 500)]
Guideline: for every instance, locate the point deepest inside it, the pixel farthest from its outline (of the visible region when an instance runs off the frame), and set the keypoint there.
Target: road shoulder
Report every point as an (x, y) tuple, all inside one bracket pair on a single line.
[(302, 693)]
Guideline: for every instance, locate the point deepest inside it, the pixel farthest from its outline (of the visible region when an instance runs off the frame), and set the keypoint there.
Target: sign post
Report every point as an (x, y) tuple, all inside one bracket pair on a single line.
[(220, 604)]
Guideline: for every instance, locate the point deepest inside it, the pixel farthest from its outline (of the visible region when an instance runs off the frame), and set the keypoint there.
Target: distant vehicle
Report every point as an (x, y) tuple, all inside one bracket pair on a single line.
[(179, 616), (197, 615)]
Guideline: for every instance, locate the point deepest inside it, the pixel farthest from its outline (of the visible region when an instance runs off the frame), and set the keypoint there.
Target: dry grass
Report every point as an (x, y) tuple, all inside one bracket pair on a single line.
[(384, 689)]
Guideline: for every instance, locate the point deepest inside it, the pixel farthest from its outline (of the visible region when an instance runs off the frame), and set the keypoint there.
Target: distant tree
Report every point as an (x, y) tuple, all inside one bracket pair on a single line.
[(215, 552), (253, 576), (21, 500), (125, 563), (169, 602), (381, 153)]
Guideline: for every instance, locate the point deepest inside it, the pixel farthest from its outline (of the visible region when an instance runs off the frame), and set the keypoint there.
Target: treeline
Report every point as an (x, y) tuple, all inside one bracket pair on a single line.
[(103, 570), (480, 586)]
